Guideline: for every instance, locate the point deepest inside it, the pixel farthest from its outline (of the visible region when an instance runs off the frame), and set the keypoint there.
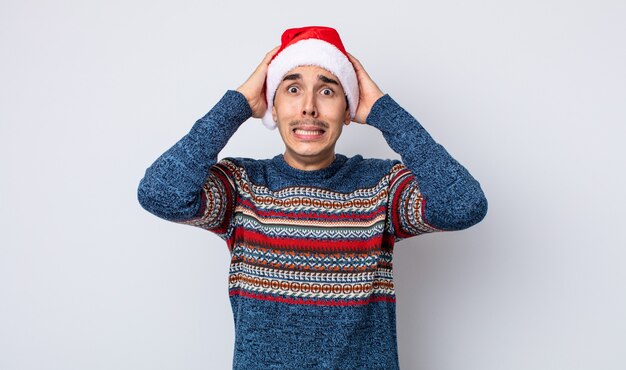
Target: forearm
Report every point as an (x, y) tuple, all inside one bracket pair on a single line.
[(454, 199), (171, 187)]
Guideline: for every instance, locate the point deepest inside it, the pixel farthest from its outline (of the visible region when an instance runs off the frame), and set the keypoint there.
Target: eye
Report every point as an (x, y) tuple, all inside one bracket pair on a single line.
[(292, 89), (327, 91)]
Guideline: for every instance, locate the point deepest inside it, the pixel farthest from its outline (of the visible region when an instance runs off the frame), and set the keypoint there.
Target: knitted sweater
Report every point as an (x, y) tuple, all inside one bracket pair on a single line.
[(311, 278)]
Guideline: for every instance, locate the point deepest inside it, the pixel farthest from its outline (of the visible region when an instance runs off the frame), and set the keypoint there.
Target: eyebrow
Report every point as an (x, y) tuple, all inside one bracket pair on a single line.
[(293, 76), (298, 76), (327, 80)]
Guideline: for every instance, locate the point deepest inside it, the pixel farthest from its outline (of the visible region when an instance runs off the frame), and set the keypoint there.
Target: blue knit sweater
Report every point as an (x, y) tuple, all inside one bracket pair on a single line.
[(311, 270)]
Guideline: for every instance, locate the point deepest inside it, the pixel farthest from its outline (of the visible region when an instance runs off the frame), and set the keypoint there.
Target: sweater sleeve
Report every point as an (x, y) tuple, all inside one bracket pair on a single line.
[(429, 191), (186, 184)]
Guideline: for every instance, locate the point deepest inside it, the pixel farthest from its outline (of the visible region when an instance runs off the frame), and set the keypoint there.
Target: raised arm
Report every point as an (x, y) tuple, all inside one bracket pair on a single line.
[(183, 184), (430, 191), (186, 184)]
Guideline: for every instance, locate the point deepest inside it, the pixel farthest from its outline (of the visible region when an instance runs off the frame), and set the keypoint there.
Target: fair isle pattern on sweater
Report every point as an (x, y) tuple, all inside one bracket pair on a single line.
[(307, 245)]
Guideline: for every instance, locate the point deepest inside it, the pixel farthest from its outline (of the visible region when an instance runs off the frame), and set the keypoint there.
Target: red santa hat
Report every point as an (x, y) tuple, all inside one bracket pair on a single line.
[(313, 45)]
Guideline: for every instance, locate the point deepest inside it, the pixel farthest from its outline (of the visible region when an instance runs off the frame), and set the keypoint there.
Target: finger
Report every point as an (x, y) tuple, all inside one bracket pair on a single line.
[(355, 61), (261, 69), (263, 66), (273, 51), (270, 54)]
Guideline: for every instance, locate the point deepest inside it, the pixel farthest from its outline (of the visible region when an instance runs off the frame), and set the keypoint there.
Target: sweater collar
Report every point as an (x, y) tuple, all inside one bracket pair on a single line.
[(324, 173)]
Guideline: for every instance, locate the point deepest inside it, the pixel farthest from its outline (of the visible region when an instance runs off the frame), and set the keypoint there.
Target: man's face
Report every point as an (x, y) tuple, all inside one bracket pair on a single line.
[(310, 109)]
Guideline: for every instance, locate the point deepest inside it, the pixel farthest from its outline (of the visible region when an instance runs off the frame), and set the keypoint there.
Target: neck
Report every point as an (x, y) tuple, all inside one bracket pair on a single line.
[(309, 163)]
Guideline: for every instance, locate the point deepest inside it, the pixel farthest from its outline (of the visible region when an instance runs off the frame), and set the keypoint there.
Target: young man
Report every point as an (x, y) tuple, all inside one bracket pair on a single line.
[(311, 232)]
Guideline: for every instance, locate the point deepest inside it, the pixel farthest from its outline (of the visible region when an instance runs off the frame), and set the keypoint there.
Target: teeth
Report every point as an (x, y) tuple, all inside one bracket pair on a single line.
[(305, 132)]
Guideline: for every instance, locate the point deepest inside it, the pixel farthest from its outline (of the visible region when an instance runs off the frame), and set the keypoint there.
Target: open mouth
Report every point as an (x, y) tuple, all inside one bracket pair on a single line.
[(308, 132)]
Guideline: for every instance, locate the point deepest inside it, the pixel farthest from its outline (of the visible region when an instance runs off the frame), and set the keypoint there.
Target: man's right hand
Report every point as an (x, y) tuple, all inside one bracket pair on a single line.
[(254, 87)]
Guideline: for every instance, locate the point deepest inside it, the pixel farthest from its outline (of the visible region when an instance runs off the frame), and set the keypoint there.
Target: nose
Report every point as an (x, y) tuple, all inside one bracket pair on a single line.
[(308, 106)]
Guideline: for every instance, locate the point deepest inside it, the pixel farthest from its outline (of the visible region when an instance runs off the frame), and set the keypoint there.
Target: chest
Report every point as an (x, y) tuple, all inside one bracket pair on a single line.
[(311, 219)]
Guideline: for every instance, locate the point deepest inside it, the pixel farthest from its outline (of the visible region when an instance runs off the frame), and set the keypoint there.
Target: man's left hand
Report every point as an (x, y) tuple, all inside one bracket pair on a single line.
[(369, 92)]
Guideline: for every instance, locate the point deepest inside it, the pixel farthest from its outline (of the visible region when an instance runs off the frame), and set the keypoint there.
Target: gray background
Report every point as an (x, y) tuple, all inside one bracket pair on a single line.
[(529, 96)]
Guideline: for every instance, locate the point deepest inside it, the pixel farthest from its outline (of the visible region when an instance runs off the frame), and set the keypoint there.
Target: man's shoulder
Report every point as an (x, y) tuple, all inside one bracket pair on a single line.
[(369, 171), (252, 169), (248, 164), (375, 165)]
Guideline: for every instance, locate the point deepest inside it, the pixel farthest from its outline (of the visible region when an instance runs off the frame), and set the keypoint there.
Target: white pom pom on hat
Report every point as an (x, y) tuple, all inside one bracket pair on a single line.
[(313, 45)]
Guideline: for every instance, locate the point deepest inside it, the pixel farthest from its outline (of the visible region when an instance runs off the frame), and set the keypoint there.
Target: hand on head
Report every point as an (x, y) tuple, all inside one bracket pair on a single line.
[(369, 92), (254, 87)]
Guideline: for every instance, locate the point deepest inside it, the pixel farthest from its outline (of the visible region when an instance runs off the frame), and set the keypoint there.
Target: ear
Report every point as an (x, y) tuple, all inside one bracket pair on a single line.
[(274, 113), (347, 119)]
